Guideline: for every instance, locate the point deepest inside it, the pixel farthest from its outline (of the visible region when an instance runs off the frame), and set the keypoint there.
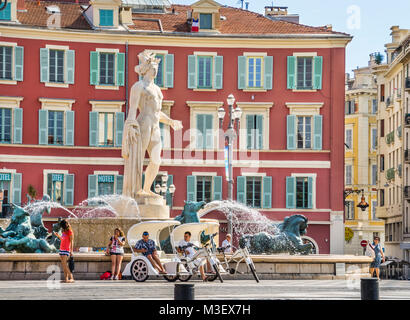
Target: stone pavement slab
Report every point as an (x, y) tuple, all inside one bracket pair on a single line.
[(230, 289)]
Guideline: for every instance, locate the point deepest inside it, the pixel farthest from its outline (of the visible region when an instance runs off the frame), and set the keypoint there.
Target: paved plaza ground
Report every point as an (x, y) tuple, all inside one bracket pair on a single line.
[(230, 289)]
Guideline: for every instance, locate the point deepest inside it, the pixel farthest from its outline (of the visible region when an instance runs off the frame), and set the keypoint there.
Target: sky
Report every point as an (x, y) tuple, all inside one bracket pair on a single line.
[(368, 21)]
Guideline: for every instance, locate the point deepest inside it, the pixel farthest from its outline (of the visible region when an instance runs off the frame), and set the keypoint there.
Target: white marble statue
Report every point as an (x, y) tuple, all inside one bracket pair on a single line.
[(142, 133)]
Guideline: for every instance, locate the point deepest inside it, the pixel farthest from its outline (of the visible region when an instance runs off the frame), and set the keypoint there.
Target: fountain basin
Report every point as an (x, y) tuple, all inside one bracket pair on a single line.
[(89, 266)]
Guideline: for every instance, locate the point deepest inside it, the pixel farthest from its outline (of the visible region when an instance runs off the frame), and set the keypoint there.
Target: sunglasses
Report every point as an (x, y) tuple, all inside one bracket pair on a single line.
[(145, 234)]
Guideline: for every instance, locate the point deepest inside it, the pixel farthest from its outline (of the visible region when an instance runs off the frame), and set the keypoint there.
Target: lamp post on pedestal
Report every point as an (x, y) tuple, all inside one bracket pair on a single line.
[(162, 189), (230, 136)]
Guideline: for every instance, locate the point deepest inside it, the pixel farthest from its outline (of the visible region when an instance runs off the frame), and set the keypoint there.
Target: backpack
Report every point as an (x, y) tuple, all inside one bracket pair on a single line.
[(106, 275)]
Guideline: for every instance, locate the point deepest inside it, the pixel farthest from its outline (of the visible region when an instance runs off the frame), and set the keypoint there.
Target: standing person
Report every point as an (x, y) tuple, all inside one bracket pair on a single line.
[(379, 257), (66, 249), (148, 248), (116, 250), (226, 244)]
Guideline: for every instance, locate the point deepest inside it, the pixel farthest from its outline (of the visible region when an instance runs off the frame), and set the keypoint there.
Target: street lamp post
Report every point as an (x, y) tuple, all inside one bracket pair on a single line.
[(162, 189), (230, 136)]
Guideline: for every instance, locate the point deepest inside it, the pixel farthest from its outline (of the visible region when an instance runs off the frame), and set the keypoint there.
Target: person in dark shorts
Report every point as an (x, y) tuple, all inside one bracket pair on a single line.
[(116, 251), (378, 258), (148, 248)]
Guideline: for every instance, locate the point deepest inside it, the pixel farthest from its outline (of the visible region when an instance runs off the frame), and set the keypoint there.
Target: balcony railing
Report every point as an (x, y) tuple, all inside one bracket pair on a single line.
[(390, 174), (389, 137), (407, 83), (399, 131), (398, 96)]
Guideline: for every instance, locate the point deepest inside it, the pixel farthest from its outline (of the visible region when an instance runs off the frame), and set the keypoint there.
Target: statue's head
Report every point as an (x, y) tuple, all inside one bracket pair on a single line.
[(148, 63), (295, 224), (191, 210)]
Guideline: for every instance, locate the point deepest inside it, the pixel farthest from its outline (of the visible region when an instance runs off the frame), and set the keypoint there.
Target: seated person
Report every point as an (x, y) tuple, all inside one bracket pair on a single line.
[(226, 244), (190, 251), (148, 248)]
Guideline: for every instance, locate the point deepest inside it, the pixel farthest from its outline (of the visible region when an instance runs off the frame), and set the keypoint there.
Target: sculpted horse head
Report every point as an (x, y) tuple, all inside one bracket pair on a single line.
[(190, 212), (295, 225)]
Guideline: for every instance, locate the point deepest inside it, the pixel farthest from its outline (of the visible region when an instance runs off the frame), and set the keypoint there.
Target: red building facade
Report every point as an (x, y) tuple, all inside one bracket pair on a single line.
[(64, 96)]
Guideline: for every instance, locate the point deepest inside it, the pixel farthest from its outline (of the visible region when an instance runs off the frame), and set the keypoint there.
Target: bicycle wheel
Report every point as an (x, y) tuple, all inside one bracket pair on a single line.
[(184, 277), (252, 267), (218, 274)]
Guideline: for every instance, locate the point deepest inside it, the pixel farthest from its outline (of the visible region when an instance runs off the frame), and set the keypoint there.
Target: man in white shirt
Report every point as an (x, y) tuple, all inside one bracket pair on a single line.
[(190, 252), (226, 244)]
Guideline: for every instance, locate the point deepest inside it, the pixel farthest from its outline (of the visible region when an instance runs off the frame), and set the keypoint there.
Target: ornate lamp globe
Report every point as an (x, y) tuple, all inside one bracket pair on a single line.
[(221, 113), (230, 100), (172, 188)]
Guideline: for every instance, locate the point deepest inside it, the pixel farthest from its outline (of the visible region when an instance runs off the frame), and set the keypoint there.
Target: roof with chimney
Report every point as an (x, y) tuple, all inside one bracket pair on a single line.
[(175, 19)]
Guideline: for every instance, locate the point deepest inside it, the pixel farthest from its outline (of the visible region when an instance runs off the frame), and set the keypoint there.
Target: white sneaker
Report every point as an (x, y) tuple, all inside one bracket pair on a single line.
[(116, 278), (112, 278)]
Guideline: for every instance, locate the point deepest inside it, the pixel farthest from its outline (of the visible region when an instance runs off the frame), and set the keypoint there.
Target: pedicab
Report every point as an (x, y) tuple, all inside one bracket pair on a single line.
[(203, 252), (140, 268)]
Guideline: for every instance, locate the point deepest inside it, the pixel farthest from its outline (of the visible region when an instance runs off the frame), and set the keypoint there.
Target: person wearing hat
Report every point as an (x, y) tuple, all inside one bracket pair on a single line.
[(148, 248)]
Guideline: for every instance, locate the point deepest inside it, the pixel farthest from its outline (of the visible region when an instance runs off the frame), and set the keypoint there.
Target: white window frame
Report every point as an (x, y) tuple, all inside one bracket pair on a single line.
[(58, 84), (103, 86), (374, 135), (350, 148), (254, 108), (45, 173), (304, 55), (10, 103), (308, 175), (350, 216), (374, 212), (347, 165), (114, 173), (13, 45)]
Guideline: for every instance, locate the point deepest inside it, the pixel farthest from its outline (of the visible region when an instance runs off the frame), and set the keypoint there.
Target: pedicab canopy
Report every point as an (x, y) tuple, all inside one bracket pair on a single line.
[(196, 229), (154, 229)]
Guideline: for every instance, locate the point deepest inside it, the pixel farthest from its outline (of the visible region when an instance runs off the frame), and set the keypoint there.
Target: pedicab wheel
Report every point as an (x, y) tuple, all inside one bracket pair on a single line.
[(217, 272), (171, 278), (181, 277), (211, 277), (139, 270), (252, 267)]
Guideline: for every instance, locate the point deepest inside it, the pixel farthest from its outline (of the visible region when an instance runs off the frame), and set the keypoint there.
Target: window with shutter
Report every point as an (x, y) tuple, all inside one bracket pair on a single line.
[(205, 74), (254, 129), (5, 14), (55, 187), (107, 68), (254, 192), (6, 63), (5, 125), (106, 18), (159, 79), (204, 126)]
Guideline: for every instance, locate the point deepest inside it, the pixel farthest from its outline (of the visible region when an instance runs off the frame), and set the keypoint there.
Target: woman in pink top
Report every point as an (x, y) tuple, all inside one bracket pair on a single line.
[(66, 249)]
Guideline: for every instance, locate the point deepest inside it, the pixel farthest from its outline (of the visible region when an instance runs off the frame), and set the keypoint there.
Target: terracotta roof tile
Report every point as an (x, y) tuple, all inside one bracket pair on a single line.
[(36, 14), (237, 21)]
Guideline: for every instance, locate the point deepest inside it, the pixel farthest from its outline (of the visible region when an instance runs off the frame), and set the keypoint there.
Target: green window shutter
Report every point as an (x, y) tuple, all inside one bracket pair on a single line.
[(18, 125), (18, 63), (191, 188), (119, 126), (70, 56), (291, 132), (69, 128), (169, 71), (44, 60), (93, 128), (318, 65), (217, 188), (92, 186), (241, 189), (209, 133), (200, 126), (43, 126), (17, 181), (191, 72), (94, 67), (241, 72), (142, 180), (249, 131), (317, 132), (291, 72), (69, 189), (259, 131), (218, 75), (119, 179), (168, 195), (267, 192), (268, 73), (290, 192), (120, 69), (310, 192)]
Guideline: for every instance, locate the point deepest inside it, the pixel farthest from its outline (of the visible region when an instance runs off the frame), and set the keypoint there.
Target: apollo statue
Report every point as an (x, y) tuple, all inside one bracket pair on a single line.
[(142, 133)]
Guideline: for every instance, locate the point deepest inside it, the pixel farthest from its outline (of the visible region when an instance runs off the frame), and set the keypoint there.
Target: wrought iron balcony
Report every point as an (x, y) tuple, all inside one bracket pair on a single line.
[(400, 170), (389, 137)]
